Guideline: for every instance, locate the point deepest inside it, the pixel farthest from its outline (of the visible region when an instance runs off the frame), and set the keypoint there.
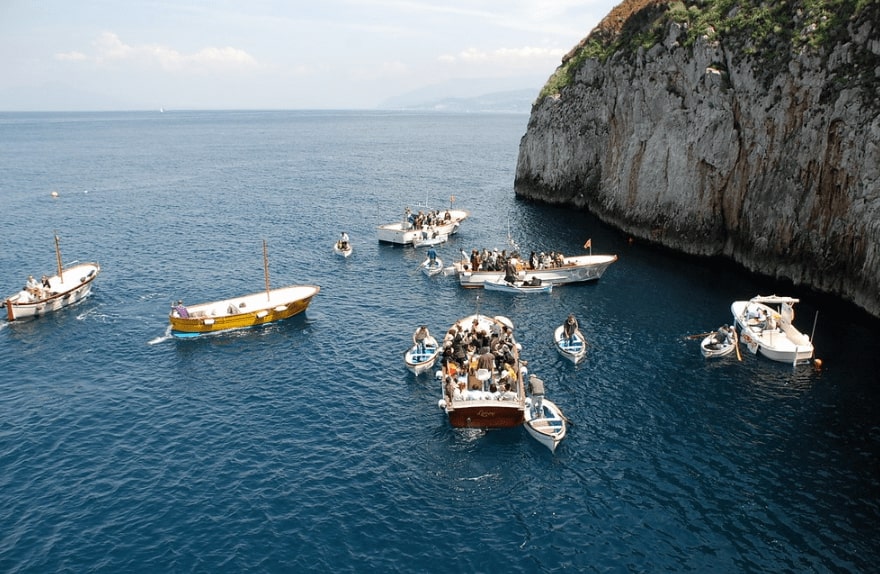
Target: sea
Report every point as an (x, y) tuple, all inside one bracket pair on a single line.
[(306, 445)]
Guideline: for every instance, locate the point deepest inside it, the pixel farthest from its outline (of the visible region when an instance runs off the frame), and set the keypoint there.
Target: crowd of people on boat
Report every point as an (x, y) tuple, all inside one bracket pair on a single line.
[(473, 349), (432, 218), (495, 260)]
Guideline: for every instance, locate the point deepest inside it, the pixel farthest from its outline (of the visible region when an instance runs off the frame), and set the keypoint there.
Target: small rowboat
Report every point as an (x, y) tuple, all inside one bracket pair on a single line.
[(344, 250), (422, 241), (574, 349), (711, 347), (547, 425), (420, 358), (499, 284), (431, 268)]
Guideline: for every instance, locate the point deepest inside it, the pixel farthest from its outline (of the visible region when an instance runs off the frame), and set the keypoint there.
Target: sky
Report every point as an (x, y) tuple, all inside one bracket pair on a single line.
[(274, 54)]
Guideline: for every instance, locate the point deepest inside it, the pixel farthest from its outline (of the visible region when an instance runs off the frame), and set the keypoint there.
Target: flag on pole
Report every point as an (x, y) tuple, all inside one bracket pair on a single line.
[(589, 243)]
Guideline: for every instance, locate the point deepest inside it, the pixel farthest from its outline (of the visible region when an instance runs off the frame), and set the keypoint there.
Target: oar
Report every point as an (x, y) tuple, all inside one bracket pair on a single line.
[(699, 336), (736, 344), (565, 418)]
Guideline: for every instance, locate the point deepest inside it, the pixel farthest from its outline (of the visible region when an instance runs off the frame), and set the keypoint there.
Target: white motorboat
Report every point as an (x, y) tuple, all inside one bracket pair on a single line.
[(575, 269), (442, 222), (525, 286), (432, 267), (68, 286), (765, 327), (573, 348), (546, 423)]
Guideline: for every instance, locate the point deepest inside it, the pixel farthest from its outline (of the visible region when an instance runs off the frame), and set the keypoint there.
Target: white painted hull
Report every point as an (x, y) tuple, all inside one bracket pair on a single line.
[(518, 287), (575, 269), (420, 361), (431, 269), (548, 427), (343, 252), (574, 350), (72, 286), (709, 352)]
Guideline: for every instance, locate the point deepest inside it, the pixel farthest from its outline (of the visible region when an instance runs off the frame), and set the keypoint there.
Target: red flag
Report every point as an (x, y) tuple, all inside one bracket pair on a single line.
[(589, 243)]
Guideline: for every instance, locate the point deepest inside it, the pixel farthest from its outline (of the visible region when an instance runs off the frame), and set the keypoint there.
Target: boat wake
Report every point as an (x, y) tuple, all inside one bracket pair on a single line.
[(164, 337)]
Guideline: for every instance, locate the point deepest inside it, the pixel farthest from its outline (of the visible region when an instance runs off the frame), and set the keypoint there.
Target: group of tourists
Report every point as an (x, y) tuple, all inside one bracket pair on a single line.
[(469, 350), (35, 290), (429, 219), (495, 260)]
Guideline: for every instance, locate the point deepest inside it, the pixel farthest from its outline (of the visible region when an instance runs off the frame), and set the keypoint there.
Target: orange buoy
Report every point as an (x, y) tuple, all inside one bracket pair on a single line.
[(817, 364)]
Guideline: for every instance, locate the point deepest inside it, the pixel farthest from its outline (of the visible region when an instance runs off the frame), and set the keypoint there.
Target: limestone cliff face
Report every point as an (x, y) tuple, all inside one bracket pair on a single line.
[(715, 148)]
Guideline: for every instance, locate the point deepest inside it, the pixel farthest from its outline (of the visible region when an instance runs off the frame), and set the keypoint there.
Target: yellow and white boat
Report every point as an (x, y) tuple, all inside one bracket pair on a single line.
[(241, 312)]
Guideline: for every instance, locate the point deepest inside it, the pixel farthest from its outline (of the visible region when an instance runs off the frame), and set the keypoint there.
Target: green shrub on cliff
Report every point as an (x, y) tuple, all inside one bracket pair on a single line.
[(769, 30)]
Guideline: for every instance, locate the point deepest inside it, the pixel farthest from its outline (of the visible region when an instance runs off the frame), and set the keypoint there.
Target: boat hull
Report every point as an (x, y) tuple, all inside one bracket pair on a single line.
[(709, 352), (431, 269), (343, 252), (72, 286), (575, 349), (548, 427), (578, 269), (420, 361), (485, 414), (402, 232), (503, 286), (242, 312)]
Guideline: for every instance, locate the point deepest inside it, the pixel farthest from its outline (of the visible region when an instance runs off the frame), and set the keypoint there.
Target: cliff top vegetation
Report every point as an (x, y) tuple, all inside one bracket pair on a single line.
[(766, 29)]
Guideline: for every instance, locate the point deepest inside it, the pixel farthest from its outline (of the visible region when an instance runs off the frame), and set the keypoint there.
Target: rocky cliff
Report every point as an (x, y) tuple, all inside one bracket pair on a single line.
[(744, 129)]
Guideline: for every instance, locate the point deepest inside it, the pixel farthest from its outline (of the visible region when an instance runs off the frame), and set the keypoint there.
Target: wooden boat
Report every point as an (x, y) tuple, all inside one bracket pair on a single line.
[(446, 222), (420, 358), (718, 344), (765, 326), (525, 286), (574, 349), (546, 424), (431, 268), (241, 312), (68, 286), (477, 406), (343, 249), (575, 269)]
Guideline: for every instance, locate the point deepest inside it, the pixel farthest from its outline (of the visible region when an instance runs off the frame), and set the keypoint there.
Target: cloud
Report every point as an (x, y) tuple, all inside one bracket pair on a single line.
[(109, 49), (71, 57)]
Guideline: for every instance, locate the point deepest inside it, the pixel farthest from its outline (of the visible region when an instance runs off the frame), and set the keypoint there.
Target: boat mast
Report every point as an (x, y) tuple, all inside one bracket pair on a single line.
[(58, 258), (266, 269)]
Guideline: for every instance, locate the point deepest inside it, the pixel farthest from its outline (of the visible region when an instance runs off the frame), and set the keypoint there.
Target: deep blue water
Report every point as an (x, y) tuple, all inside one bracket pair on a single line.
[(307, 445)]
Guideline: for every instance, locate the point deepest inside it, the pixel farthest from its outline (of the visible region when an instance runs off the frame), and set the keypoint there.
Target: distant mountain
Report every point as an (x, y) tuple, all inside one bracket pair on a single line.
[(513, 101)]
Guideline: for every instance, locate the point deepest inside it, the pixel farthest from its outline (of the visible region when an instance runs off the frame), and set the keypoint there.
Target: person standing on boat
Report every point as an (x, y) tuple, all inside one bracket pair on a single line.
[(510, 272), (420, 336), (570, 328), (343, 240), (536, 389), (432, 256)]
